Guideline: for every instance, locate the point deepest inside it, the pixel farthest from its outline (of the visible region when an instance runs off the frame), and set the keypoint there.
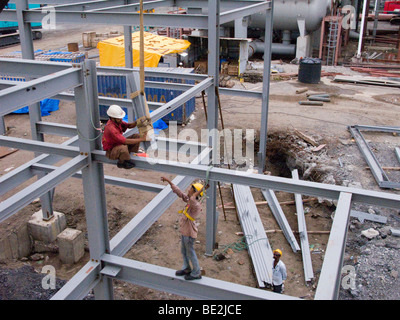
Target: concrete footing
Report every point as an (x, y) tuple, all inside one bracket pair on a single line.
[(16, 244), (46, 231), (71, 245)]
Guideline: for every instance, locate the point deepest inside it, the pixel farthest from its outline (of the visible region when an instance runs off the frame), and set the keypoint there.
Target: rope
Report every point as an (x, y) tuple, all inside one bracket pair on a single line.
[(241, 244)]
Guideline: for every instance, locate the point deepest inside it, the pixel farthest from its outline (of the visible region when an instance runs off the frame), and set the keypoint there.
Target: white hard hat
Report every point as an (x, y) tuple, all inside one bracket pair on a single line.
[(115, 111)]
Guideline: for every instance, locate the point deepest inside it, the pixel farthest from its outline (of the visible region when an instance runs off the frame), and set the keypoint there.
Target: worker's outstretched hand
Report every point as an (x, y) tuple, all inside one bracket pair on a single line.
[(164, 179)]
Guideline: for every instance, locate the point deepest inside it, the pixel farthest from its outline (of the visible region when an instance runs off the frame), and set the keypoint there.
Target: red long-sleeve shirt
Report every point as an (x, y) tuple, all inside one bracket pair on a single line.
[(113, 135)]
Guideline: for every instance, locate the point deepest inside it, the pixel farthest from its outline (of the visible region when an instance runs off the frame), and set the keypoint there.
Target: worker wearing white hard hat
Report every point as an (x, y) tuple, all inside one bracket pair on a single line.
[(116, 146)]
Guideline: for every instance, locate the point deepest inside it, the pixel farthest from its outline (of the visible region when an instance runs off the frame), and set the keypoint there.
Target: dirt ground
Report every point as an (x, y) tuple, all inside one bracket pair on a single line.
[(350, 105)]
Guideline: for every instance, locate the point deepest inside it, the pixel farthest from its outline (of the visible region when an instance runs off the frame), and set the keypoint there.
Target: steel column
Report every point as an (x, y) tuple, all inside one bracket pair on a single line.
[(87, 107), (266, 86)]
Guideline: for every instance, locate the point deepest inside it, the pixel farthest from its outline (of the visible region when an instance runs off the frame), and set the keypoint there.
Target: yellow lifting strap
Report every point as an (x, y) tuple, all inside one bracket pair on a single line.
[(185, 213)]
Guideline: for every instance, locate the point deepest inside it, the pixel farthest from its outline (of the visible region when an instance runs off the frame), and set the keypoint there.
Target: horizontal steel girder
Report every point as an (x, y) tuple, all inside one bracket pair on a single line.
[(164, 279), (114, 18), (18, 201), (218, 174), (31, 68), (29, 92), (244, 11), (120, 182)]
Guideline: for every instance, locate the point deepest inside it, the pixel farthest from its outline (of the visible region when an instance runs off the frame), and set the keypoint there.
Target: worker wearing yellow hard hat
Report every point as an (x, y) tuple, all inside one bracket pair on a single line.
[(188, 228), (279, 274)]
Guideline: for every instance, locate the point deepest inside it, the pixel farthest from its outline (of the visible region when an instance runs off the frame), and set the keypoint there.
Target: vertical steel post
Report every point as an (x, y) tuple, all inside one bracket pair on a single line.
[(128, 46), (87, 123), (212, 118), (26, 40), (265, 90)]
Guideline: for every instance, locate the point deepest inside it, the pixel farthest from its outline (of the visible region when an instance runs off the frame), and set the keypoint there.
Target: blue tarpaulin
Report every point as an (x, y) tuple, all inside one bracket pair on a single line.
[(46, 106)]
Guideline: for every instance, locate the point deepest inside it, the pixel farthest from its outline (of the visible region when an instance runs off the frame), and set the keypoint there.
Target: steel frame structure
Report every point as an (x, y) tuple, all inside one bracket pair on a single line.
[(377, 171), (47, 79)]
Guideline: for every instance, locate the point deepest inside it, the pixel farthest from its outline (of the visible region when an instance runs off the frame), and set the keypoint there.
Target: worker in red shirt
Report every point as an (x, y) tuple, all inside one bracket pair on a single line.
[(116, 146)]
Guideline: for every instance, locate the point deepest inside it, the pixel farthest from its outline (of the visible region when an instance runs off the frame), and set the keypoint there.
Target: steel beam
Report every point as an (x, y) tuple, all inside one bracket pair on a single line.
[(256, 239), (377, 171), (305, 246), (132, 232), (120, 182), (29, 92), (18, 201), (329, 280), (85, 5), (164, 279), (181, 99), (280, 217), (32, 68), (261, 181), (88, 123), (81, 283), (134, 7), (114, 18), (262, 153), (245, 11), (397, 152), (38, 146), (151, 72)]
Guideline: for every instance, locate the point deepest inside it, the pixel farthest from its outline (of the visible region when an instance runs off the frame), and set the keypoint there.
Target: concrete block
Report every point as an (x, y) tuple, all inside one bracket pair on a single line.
[(46, 231), (303, 47), (71, 245), (16, 244), (395, 232)]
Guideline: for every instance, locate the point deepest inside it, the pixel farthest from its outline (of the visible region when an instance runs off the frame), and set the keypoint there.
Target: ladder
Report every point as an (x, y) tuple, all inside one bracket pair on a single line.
[(332, 41)]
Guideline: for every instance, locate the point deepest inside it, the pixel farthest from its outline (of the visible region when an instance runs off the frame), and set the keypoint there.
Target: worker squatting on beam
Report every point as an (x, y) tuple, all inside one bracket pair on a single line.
[(188, 228), (116, 146)]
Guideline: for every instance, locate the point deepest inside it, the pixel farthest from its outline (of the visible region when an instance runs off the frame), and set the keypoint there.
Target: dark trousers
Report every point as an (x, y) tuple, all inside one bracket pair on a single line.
[(277, 289)]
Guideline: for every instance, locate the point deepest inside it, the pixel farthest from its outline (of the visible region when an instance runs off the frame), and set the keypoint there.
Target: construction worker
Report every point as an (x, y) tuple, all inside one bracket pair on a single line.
[(116, 146), (278, 272), (188, 228)]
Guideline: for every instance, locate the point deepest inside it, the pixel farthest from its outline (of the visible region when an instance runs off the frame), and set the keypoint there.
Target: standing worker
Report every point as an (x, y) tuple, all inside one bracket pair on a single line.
[(188, 228), (116, 146), (278, 272)]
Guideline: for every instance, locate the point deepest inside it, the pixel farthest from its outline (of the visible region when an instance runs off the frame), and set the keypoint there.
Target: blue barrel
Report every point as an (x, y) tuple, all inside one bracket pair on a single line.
[(310, 70)]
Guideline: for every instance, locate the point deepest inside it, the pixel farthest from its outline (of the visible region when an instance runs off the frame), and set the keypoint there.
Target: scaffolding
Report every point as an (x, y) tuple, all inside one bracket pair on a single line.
[(51, 79)]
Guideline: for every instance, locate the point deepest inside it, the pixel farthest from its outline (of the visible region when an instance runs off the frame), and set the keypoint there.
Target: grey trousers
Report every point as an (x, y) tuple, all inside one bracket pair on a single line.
[(189, 256)]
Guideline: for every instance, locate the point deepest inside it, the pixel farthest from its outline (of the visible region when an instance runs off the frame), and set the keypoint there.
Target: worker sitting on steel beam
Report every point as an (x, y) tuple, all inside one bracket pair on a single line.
[(278, 272), (188, 228), (116, 146)]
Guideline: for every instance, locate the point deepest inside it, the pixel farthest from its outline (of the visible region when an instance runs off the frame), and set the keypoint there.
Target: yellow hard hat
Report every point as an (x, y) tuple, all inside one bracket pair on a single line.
[(198, 187), (278, 251)]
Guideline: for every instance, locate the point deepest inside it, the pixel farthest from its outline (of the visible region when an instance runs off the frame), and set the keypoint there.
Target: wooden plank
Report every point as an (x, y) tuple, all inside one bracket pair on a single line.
[(5, 151)]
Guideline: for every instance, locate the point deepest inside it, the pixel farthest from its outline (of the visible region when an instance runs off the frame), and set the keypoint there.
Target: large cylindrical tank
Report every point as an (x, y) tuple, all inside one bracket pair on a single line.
[(287, 12)]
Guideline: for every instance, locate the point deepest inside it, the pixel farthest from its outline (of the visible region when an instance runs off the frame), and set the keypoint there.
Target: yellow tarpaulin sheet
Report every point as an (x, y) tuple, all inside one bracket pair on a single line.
[(112, 51)]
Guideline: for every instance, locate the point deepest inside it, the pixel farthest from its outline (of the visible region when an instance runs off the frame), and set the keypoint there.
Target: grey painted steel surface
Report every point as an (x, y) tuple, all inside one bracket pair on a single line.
[(329, 279), (257, 241), (301, 222), (361, 216), (164, 279), (88, 278), (22, 198), (376, 169), (266, 87), (87, 123), (397, 152), (212, 118), (280, 217)]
